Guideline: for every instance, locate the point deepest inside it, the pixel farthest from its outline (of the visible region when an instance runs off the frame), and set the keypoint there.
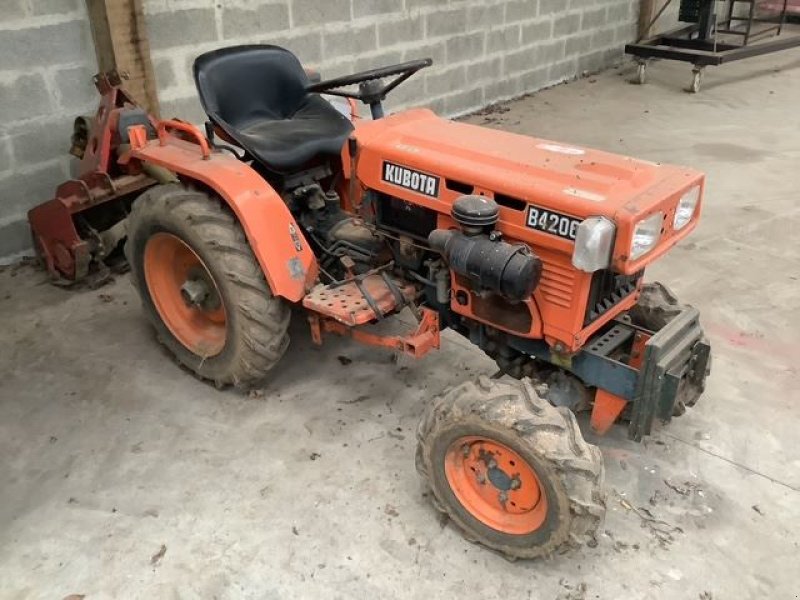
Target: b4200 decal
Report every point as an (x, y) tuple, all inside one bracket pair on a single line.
[(549, 221)]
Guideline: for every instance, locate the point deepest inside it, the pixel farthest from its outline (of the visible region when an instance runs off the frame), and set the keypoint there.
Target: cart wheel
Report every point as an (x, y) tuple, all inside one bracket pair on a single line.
[(641, 73), (512, 471), (697, 79)]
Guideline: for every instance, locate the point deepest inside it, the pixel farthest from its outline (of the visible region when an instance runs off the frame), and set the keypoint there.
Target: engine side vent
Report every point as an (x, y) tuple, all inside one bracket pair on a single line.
[(608, 290), (459, 186), (510, 202), (557, 284)]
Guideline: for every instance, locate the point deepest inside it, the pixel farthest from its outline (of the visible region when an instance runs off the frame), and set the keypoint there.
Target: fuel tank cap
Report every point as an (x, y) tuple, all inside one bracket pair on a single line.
[(475, 211)]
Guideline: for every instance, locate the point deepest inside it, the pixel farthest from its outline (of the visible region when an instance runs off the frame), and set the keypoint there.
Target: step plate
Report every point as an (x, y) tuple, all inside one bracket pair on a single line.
[(346, 304)]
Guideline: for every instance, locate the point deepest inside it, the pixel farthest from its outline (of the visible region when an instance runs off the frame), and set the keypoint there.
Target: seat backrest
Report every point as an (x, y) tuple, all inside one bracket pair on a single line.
[(241, 84)]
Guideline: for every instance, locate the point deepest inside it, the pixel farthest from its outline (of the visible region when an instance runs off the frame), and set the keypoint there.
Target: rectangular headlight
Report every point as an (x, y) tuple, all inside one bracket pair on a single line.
[(646, 235), (594, 243), (686, 208)]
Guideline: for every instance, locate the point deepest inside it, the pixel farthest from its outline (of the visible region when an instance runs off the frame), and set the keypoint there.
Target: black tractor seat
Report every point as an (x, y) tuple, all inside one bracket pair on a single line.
[(257, 95)]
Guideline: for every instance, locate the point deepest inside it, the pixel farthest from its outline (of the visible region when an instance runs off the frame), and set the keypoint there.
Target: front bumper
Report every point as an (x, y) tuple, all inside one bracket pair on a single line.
[(676, 362)]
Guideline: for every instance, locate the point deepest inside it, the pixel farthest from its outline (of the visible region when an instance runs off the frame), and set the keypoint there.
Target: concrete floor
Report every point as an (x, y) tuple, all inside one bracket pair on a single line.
[(112, 455)]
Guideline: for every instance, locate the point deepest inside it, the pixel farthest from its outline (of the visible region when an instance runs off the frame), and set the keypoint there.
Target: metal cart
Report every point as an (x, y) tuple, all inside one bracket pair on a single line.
[(715, 33)]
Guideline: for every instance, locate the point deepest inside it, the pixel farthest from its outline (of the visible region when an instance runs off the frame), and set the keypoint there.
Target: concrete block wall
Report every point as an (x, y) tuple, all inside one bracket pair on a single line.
[(46, 68), (483, 50)]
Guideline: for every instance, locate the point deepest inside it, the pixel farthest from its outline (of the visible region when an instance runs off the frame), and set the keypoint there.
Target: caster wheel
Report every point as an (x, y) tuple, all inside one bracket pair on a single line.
[(641, 73), (697, 79)]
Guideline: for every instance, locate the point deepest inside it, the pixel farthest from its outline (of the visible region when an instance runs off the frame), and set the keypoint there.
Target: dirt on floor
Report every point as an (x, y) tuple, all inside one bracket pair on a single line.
[(124, 477)]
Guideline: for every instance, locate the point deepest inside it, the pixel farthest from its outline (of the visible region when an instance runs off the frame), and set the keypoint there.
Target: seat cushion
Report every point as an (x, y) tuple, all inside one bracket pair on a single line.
[(316, 128)]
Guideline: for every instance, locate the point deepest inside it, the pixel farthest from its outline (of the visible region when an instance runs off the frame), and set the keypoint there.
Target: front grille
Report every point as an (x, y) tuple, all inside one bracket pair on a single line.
[(608, 290)]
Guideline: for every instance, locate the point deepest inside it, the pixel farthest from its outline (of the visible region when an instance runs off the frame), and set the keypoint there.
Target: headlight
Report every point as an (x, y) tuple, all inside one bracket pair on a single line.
[(686, 208), (646, 234), (593, 244)]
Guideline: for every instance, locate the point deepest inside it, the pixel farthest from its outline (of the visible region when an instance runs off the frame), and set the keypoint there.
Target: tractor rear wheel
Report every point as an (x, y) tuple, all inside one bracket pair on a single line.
[(202, 287), (512, 471)]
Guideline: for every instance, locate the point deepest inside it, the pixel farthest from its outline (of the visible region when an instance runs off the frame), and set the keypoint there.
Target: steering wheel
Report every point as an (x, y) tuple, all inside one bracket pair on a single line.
[(371, 90)]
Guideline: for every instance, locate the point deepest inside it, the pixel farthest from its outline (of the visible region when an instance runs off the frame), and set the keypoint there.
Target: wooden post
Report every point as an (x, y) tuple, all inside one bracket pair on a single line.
[(120, 42), (646, 11)]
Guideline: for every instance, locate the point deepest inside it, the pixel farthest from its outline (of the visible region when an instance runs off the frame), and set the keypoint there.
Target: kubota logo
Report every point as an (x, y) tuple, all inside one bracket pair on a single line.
[(411, 179)]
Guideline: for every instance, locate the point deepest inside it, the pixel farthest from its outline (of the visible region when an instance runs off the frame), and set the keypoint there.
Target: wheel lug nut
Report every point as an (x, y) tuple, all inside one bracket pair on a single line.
[(503, 497), (481, 478), (465, 450), (492, 464), (515, 484)]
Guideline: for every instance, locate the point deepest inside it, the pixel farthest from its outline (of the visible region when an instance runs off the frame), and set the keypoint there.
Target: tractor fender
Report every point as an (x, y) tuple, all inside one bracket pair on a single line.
[(278, 243)]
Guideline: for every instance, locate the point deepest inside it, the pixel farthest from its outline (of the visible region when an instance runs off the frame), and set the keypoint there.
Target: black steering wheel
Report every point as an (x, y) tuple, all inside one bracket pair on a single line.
[(371, 90)]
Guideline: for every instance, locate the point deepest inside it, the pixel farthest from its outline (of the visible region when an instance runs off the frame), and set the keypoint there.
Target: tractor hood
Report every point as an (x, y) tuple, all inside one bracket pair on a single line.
[(431, 161)]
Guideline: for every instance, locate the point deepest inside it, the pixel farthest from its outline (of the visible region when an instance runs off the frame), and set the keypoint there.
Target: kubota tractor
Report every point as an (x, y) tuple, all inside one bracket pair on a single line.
[(533, 250)]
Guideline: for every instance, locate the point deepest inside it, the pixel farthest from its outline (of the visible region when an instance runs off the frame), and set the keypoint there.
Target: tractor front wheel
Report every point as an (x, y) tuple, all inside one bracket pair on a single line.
[(202, 287), (512, 471)]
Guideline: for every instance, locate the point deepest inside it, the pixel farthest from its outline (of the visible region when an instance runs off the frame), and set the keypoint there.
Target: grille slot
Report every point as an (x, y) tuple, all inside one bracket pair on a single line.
[(557, 284), (608, 290)]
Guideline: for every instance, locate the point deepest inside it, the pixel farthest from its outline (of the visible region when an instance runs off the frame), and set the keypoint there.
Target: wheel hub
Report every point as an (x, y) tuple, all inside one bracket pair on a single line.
[(185, 294), (496, 485)]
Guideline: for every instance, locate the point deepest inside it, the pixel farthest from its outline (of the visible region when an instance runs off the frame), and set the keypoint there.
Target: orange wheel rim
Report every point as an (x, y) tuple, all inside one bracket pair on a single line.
[(185, 294), (495, 485)]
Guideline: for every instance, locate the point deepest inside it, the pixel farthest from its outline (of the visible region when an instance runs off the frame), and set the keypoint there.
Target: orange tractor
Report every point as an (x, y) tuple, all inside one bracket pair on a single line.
[(533, 250)]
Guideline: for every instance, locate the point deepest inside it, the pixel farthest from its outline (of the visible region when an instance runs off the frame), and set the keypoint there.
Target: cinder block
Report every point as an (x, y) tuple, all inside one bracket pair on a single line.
[(42, 141), (446, 22), (12, 10), (563, 71), (432, 50), (75, 89), (503, 40), (534, 80), (238, 22), (307, 47), (465, 47), (551, 52), (445, 81), (462, 102), (625, 33), (619, 12), (602, 38), (522, 60), (165, 72), (5, 154), (384, 59), (366, 8), (521, 10), (547, 7), (53, 7), (24, 98), (481, 17), (594, 18), (417, 4), (484, 70), (69, 42), (401, 31), (350, 41), (566, 24), (24, 188), (187, 108), (538, 31), (314, 12), (590, 63), (578, 44), (15, 237), (181, 27), (505, 88)]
